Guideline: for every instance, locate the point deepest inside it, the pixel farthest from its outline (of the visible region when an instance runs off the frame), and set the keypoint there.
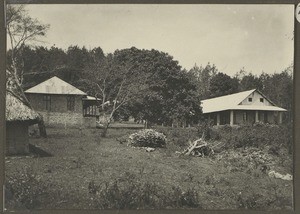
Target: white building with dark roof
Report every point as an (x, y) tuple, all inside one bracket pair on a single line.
[(247, 107)]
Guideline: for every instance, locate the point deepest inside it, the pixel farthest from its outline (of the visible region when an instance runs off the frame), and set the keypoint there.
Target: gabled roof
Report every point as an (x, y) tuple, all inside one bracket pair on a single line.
[(16, 110), (55, 85), (232, 102)]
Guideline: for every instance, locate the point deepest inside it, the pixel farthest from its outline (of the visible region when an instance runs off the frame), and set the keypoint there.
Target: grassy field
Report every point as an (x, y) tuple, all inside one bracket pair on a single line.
[(88, 172)]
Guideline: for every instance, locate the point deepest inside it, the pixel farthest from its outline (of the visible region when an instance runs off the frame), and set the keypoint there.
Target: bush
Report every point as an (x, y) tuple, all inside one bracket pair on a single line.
[(179, 136), (252, 201), (148, 138), (129, 192), (26, 188), (256, 136)]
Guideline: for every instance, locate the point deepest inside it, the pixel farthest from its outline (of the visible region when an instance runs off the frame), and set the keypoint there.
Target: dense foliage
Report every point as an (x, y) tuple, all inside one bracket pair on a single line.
[(172, 93), (147, 138)]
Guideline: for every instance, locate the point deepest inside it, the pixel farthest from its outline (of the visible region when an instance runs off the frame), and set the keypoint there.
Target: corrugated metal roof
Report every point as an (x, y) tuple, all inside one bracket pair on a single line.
[(90, 98), (16, 110), (55, 85), (232, 101)]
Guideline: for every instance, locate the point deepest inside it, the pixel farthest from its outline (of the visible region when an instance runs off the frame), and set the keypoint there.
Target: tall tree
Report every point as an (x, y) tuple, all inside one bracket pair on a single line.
[(77, 59), (148, 84), (21, 30), (248, 81), (203, 78), (279, 88), (113, 81), (222, 84), (171, 94)]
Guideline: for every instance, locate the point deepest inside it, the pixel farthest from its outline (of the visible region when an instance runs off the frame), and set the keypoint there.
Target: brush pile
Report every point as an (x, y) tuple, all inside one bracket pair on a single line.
[(198, 148)]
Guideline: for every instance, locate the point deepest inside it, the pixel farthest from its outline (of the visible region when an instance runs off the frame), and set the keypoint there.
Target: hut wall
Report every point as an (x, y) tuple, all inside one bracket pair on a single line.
[(17, 138)]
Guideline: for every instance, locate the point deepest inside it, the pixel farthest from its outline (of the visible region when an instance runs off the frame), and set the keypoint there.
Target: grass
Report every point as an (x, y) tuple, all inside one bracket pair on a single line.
[(88, 172)]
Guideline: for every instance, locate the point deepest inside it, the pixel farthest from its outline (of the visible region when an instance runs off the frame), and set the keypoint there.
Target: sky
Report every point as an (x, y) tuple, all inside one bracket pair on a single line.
[(254, 37)]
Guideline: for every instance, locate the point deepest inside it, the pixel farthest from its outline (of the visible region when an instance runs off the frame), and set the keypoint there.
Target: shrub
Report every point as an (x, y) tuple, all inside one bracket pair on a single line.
[(132, 195), (251, 201), (129, 192), (26, 188), (256, 136), (206, 127), (179, 136), (147, 138)]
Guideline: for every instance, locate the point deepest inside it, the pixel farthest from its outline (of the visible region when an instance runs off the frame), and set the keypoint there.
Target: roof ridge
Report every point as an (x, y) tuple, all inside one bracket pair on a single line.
[(55, 85), (252, 90)]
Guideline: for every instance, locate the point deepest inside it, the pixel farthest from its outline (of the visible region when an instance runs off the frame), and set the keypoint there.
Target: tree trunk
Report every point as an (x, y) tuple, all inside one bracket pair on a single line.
[(107, 124), (42, 128), (103, 134), (147, 124)]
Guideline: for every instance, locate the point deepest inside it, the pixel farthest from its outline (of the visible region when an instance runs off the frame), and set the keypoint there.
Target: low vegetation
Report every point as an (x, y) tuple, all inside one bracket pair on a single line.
[(88, 171), (147, 138)]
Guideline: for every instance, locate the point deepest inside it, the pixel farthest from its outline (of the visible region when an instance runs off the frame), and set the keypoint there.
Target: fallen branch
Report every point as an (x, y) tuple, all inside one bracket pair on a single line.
[(197, 149), (190, 149), (202, 145)]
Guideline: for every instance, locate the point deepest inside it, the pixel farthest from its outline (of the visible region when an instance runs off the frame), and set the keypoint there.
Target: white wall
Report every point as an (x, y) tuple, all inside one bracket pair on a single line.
[(256, 100)]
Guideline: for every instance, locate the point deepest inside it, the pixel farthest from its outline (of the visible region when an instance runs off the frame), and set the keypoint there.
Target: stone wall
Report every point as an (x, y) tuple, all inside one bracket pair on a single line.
[(59, 115), (67, 119), (58, 103), (17, 138)]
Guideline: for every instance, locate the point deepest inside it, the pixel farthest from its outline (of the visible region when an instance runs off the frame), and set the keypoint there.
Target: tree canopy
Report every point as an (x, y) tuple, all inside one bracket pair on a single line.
[(21, 30), (222, 84), (172, 92)]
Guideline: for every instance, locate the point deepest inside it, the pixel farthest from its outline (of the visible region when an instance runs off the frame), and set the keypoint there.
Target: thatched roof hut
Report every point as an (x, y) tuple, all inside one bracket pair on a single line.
[(18, 118), (16, 110)]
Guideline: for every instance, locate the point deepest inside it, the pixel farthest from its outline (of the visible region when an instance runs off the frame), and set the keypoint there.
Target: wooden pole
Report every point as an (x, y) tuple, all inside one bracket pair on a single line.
[(256, 116), (280, 118), (218, 118), (231, 117)]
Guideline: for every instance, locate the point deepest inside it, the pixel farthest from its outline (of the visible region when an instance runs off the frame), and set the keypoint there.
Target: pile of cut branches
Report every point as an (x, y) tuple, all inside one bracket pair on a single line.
[(198, 148)]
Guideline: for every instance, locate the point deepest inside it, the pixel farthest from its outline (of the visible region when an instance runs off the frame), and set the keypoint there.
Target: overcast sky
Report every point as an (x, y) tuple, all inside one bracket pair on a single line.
[(256, 37)]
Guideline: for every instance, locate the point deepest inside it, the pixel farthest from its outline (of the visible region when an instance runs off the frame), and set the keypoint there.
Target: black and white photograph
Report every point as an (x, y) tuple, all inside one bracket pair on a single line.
[(149, 106)]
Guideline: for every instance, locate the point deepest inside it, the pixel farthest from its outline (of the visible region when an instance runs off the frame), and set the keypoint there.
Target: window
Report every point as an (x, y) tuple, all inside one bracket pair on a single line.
[(261, 100), (245, 116), (250, 99), (47, 102), (71, 103)]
